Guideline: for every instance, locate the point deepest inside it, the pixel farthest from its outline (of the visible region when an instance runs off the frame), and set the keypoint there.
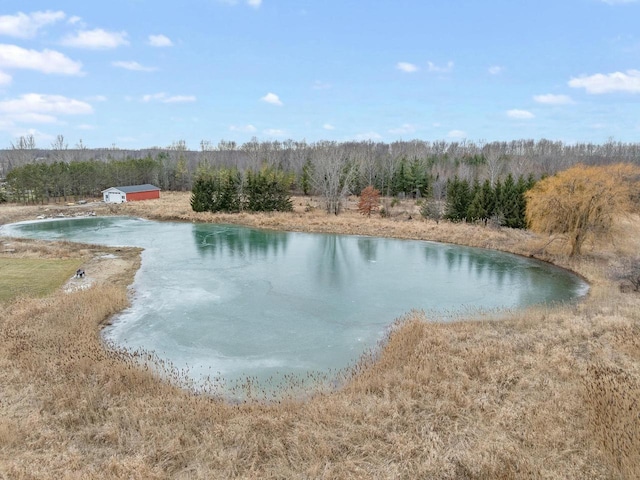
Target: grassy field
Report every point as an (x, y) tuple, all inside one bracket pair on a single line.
[(33, 277), (541, 393)]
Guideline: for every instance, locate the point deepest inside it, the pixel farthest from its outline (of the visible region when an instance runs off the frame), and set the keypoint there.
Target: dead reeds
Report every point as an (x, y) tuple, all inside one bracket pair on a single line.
[(541, 393)]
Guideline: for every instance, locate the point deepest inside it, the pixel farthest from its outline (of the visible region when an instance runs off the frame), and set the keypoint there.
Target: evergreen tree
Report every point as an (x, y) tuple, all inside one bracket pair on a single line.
[(511, 202), (520, 208), (217, 191), (202, 193), (306, 178), (481, 203), (227, 197), (505, 201), (489, 197), (268, 191), (458, 199), (418, 179), (399, 179)]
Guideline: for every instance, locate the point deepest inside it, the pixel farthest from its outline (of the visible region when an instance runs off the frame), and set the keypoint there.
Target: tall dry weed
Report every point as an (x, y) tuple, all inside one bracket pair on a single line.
[(612, 396)]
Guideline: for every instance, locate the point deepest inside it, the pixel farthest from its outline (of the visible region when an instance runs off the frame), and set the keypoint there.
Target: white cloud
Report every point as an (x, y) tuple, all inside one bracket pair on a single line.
[(135, 66), (75, 20), (551, 99), (520, 114), (457, 134), (251, 3), (272, 98), (96, 39), (40, 137), (407, 67), (5, 79), (153, 96), (404, 129), (599, 83), (46, 61), (496, 69), (275, 132), (24, 25), (328, 126), (159, 41), (33, 117), (368, 136), (180, 99), (40, 108), (97, 98), (320, 85), (164, 98), (243, 128), (618, 2), (437, 69)]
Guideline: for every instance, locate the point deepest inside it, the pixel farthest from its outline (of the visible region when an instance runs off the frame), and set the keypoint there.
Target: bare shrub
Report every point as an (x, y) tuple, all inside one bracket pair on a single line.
[(432, 210), (629, 273)]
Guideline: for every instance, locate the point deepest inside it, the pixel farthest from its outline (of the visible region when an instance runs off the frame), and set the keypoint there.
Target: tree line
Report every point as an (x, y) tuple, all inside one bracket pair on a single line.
[(464, 176), (61, 181), (574, 191), (376, 161)]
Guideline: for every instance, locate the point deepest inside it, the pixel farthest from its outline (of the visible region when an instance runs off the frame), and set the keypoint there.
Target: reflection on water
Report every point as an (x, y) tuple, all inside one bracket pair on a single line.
[(367, 247), (228, 301), (332, 259), (238, 242)]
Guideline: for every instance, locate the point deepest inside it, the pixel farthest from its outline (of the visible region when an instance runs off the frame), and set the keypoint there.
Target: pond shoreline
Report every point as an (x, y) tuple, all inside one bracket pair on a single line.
[(406, 272), (518, 397)]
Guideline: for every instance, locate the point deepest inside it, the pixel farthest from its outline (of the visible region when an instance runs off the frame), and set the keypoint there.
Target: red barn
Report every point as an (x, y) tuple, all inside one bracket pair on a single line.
[(130, 193)]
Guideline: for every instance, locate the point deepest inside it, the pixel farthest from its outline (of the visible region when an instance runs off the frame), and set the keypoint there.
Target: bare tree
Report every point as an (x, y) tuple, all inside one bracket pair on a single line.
[(60, 150), (333, 174), (80, 152), (227, 154), (206, 157), (271, 153), (494, 158), (178, 155), (22, 151), (252, 151)]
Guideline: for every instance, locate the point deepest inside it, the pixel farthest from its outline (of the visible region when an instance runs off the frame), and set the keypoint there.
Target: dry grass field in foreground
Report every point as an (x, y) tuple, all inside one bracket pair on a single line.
[(542, 393)]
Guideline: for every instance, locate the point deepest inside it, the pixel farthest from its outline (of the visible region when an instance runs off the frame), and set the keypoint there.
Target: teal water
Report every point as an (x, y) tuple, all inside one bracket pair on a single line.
[(228, 302)]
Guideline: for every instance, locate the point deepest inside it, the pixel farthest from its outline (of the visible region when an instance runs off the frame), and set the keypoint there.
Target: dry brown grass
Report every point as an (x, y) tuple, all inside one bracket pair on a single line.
[(542, 393)]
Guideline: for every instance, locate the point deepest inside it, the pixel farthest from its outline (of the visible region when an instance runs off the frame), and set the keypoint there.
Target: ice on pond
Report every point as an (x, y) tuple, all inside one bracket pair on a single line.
[(229, 302)]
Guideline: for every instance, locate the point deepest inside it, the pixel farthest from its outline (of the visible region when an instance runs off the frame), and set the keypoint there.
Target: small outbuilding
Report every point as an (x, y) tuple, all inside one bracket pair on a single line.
[(130, 193)]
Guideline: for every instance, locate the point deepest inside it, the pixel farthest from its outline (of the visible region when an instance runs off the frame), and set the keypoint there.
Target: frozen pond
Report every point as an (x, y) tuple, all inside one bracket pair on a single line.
[(229, 302)]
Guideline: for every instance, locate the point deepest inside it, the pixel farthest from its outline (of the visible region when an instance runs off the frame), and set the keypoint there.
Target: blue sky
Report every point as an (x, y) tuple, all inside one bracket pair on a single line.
[(142, 73)]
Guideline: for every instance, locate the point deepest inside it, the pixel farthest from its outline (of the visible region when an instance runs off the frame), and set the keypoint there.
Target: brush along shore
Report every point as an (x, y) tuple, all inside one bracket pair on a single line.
[(542, 393)]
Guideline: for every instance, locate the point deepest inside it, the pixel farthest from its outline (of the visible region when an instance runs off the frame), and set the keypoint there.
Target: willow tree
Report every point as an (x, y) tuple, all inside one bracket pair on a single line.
[(582, 202)]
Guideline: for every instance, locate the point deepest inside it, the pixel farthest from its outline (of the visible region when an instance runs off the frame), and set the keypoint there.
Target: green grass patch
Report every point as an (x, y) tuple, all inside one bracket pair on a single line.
[(33, 277)]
